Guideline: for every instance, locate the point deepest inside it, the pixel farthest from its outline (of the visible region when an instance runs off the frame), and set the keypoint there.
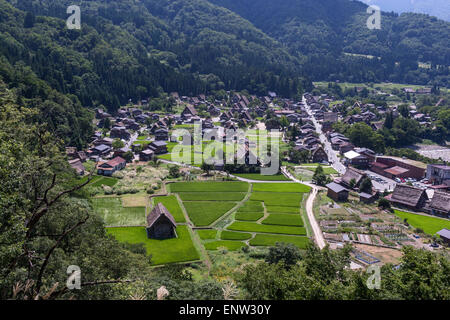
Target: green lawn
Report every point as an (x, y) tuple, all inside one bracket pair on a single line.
[(209, 187), (254, 227), (180, 249), (259, 177), (281, 187), (171, 203), (270, 240), (230, 245), (249, 216), (114, 214), (251, 206), (211, 196), (207, 234), (279, 209), (430, 225), (203, 213), (278, 198), (282, 219), (229, 235)]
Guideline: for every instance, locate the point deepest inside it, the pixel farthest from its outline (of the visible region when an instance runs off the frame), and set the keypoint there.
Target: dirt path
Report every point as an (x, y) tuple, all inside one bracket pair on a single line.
[(318, 236)]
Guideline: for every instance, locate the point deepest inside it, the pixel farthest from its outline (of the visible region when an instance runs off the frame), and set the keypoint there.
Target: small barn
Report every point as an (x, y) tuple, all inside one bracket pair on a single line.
[(161, 224), (337, 192), (445, 235)]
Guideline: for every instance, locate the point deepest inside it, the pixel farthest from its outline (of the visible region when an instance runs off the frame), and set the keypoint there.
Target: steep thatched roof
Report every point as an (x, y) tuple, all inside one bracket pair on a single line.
[(158, 211), (408, 195), (350, 174), (441, 201)]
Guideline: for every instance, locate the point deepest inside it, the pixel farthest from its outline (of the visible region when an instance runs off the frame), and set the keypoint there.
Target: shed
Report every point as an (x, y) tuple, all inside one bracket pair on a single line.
[(445, 235)]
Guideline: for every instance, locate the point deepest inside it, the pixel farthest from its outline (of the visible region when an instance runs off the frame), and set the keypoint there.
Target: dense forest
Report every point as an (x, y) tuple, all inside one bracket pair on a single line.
[(333, 42)]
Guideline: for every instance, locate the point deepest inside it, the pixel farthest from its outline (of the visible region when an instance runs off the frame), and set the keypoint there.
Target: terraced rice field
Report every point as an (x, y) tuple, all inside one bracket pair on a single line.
[(271, 240), (229, 235), (262, 228), (180, 249), (284, 219), (204, 213), (114, 214), (171, 203)]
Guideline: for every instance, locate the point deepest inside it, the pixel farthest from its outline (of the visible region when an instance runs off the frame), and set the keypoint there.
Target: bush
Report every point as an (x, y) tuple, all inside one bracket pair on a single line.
[(384, 204), (150, 191), (107, 190)]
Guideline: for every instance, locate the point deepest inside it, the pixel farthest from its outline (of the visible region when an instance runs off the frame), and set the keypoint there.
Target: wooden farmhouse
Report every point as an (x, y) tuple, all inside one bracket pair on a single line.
[(161, 224)]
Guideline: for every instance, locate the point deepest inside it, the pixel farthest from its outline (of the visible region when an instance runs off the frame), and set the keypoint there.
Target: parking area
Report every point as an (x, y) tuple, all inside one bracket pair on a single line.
[(381, 183)]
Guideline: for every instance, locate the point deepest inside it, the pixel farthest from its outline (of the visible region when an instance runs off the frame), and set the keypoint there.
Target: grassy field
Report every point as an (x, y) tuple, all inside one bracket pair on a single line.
[(281, 187), (251, 206), (249, 216), (279, 209), (180, 249), (277, 198), (114, 214), (203, 213), (229, 235), (282, 219), (254, 227), (98, 181), (230, 245), (211, 196), (270, 240), (171, 203), (259, 177), (209, 187), (429, 225), (207, 234)]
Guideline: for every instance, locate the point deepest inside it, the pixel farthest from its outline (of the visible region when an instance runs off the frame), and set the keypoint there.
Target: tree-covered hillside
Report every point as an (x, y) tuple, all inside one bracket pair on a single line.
[(338, 45)]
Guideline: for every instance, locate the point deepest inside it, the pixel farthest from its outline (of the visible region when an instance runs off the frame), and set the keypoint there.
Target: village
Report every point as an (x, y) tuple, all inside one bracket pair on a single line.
[(368, 199)]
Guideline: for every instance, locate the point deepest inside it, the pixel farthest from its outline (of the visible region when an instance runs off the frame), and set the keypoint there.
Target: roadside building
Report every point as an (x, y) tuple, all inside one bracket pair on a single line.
[(158, 147), (356, 159), (438, 174), (394, 167)]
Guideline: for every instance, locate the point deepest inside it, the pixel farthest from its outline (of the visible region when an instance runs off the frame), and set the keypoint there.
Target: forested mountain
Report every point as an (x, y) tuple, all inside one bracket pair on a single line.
[(137, 49), (331, 32), (437, 8)]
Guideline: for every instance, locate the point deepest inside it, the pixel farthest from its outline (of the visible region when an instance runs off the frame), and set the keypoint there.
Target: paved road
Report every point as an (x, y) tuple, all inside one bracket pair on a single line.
[(332, 154), (318, 236)]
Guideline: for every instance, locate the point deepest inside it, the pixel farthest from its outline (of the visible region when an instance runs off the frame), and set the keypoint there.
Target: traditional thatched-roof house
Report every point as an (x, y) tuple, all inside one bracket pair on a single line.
[(352, 174), (408, 196), (440, 204), (160, 223)]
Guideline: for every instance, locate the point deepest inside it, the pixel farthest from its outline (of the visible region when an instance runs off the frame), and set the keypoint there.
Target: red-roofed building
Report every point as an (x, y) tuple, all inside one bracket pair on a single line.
[(108, 168)]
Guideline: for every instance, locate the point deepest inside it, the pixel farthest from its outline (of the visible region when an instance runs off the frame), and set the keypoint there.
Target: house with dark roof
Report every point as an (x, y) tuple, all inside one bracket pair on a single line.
[(319, 155), (409, 197), (438, 174), (337, 192), (158, 147), (161, 224), (440, 204), (188, 112)]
